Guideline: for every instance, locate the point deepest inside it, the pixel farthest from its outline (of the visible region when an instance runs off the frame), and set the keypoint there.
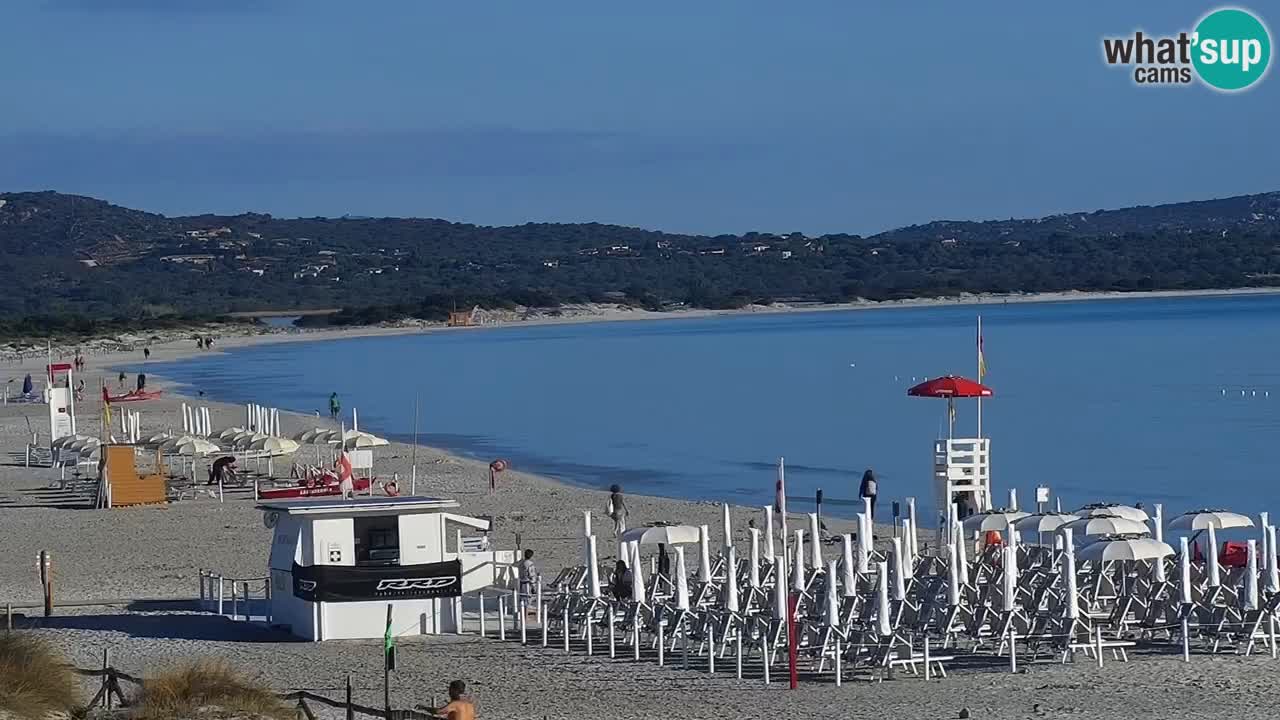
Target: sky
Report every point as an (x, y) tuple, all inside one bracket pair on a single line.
[(714, 116)]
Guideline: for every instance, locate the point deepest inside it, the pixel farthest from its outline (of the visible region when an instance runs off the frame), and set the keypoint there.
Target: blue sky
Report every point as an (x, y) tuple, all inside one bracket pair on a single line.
[(709, 116)]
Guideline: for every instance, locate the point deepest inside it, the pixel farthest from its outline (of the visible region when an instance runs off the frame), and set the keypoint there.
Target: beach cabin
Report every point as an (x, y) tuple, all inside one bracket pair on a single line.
[(336, 564)]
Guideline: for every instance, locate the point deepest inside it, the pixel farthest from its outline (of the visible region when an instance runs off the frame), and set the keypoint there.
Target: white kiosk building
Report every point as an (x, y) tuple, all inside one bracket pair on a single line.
[(336, 564)]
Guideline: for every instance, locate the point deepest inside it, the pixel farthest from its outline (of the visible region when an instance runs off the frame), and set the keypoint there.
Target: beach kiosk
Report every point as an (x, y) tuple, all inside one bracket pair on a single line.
[(337, 563)]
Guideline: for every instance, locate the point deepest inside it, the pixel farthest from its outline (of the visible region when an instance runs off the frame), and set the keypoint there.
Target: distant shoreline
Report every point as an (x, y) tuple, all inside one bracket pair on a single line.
[(167, 347)]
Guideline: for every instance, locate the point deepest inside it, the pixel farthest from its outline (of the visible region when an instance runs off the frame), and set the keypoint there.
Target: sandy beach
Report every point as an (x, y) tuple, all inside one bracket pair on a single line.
[(156, 552)]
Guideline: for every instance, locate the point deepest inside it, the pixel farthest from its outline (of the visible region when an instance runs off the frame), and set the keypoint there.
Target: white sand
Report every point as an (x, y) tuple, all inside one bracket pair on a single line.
[(156, 552)]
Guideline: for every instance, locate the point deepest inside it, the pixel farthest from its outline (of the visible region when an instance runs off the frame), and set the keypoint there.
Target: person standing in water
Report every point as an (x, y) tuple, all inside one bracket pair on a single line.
[(870, 489), (335, 407)]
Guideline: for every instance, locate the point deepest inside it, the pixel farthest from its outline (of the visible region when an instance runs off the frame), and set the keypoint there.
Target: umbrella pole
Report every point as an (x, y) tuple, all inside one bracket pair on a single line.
[(951, 417)]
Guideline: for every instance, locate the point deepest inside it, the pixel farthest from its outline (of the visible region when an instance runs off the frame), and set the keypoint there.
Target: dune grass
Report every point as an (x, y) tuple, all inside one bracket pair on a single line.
[(206, 684), (34, 678)]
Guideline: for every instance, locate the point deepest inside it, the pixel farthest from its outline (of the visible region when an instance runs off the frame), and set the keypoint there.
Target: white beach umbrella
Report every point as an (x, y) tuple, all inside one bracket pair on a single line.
[(1125, 511), (962, 553), (815, 543), (662, 535), (833, 596), (1211, 558), (1204, 519), (797, 577), (66, 440), (1069, 575), (850, 570), (780, 604), (1009, 575), (1184, 570), (704, 555), (593, 567), (992, 520), (1106, 525), (1043, 522), (769, 547), (82, 443), (953, 575), (312, 436), (753, 560), (158, 439), (682, 581), (1124, 549), (275, 446), (883, 625), (1272, 563), (356, 439), (637, 574), (731, 580), (726, 525), (230, 433), (899, 571), (864, 543), (1251, 577)]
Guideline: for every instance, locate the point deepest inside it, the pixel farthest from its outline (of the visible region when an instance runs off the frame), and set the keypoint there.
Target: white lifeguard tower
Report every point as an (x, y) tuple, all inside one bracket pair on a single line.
[(962, 473), (59, 393), (336, 564)]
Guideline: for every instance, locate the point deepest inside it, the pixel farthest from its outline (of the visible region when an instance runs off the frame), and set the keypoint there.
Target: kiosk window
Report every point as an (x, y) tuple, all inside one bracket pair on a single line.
[(377, 540)]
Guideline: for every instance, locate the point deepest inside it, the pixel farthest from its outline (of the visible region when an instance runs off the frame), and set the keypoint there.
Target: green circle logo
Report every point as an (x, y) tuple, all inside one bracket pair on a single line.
[(1232, 49)]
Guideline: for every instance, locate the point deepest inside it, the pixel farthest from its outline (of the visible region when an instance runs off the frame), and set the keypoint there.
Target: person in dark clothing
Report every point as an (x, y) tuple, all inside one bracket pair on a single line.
[(664, 562), (121, 379), (869, 489), (146, 353), (222, 470), (142, 381), (621, 581)]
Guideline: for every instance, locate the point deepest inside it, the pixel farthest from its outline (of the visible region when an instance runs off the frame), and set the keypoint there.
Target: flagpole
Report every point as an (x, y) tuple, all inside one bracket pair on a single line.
[(980, 373)]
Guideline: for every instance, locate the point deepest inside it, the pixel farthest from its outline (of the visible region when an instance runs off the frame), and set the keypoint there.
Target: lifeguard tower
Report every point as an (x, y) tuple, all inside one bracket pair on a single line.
[(962, 473), (336, 564), (60, 395)]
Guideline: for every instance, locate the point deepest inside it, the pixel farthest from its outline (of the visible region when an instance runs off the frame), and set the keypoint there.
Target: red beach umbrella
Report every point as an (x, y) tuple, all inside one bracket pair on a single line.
[(950, 387)]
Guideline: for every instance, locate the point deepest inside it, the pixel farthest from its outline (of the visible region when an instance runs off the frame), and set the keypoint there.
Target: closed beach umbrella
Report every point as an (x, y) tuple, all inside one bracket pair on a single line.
[(1069, 575), (682, 581), (833, 597), (899, 571), (593, 566), (1211, 559), (726, 525), (883, 626), (637, 575), (779, 593), (1106, 525), (769, 548), (1205, 519), (1251, 577), (753, 570), (953, 575), (1125, 511), (1125, 549), (850, 570), (815, 543), (731, 581), (950, 387), (864, 543), (797, 578), (1272, 563), (704, 555), (1184, 570), (1010, 576)]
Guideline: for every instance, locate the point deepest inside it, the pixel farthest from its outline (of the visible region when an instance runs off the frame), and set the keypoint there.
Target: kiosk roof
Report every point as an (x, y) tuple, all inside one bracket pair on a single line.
[(361, 506)]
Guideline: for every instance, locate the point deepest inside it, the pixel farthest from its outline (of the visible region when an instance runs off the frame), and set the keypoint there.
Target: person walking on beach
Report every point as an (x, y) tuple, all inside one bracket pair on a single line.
[(459, 707), (146, 353), (869, 489), (617, 510), (335, 407)]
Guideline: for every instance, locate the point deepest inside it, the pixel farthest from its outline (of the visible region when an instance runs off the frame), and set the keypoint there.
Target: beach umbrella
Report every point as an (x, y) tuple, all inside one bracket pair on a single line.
[(1043, 522), (850, 570), (273, 445), (662, 535), (230, 433), (1069, 575), (1272, 563), (1184, 571), (731, 580), (953, 576), (1125, 511), (726, 525), (950, 387), (1009, 573), (1124, 549), (899, 571), (637, 575), (769, 547), (1251, 577), (1211, 558), (815, 543), (358, 439), (682, 581), (883, 626), (833, 598), (962, 553), (1204, 519), (779, 593), (1106, 525), (312, 436), (593, 566), (245, 441), (704, 555), (991, 520), (797, 577), (864, 543), (753, 565), (158, 439)]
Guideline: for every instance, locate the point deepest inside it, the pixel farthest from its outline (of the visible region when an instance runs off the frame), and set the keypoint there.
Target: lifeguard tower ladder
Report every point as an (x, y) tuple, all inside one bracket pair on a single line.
[(962, 473)]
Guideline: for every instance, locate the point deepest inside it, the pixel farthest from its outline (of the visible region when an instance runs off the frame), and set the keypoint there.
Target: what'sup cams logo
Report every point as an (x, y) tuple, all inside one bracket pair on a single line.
[(1229, 50)]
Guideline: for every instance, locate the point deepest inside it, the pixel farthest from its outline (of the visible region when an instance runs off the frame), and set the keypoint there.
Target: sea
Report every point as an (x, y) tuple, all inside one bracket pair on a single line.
[(1170, 400)]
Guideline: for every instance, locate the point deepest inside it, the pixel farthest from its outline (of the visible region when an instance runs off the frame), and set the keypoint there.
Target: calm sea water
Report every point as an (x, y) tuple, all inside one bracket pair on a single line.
[(1133, 400)]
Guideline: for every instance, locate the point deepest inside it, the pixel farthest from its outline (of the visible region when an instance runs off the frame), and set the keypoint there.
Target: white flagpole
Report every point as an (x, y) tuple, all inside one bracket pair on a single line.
[(979, 349)]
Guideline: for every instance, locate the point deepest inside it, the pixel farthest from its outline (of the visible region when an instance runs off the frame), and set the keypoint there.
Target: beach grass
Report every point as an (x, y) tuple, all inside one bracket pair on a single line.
[(35, 681), (206, 686)]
